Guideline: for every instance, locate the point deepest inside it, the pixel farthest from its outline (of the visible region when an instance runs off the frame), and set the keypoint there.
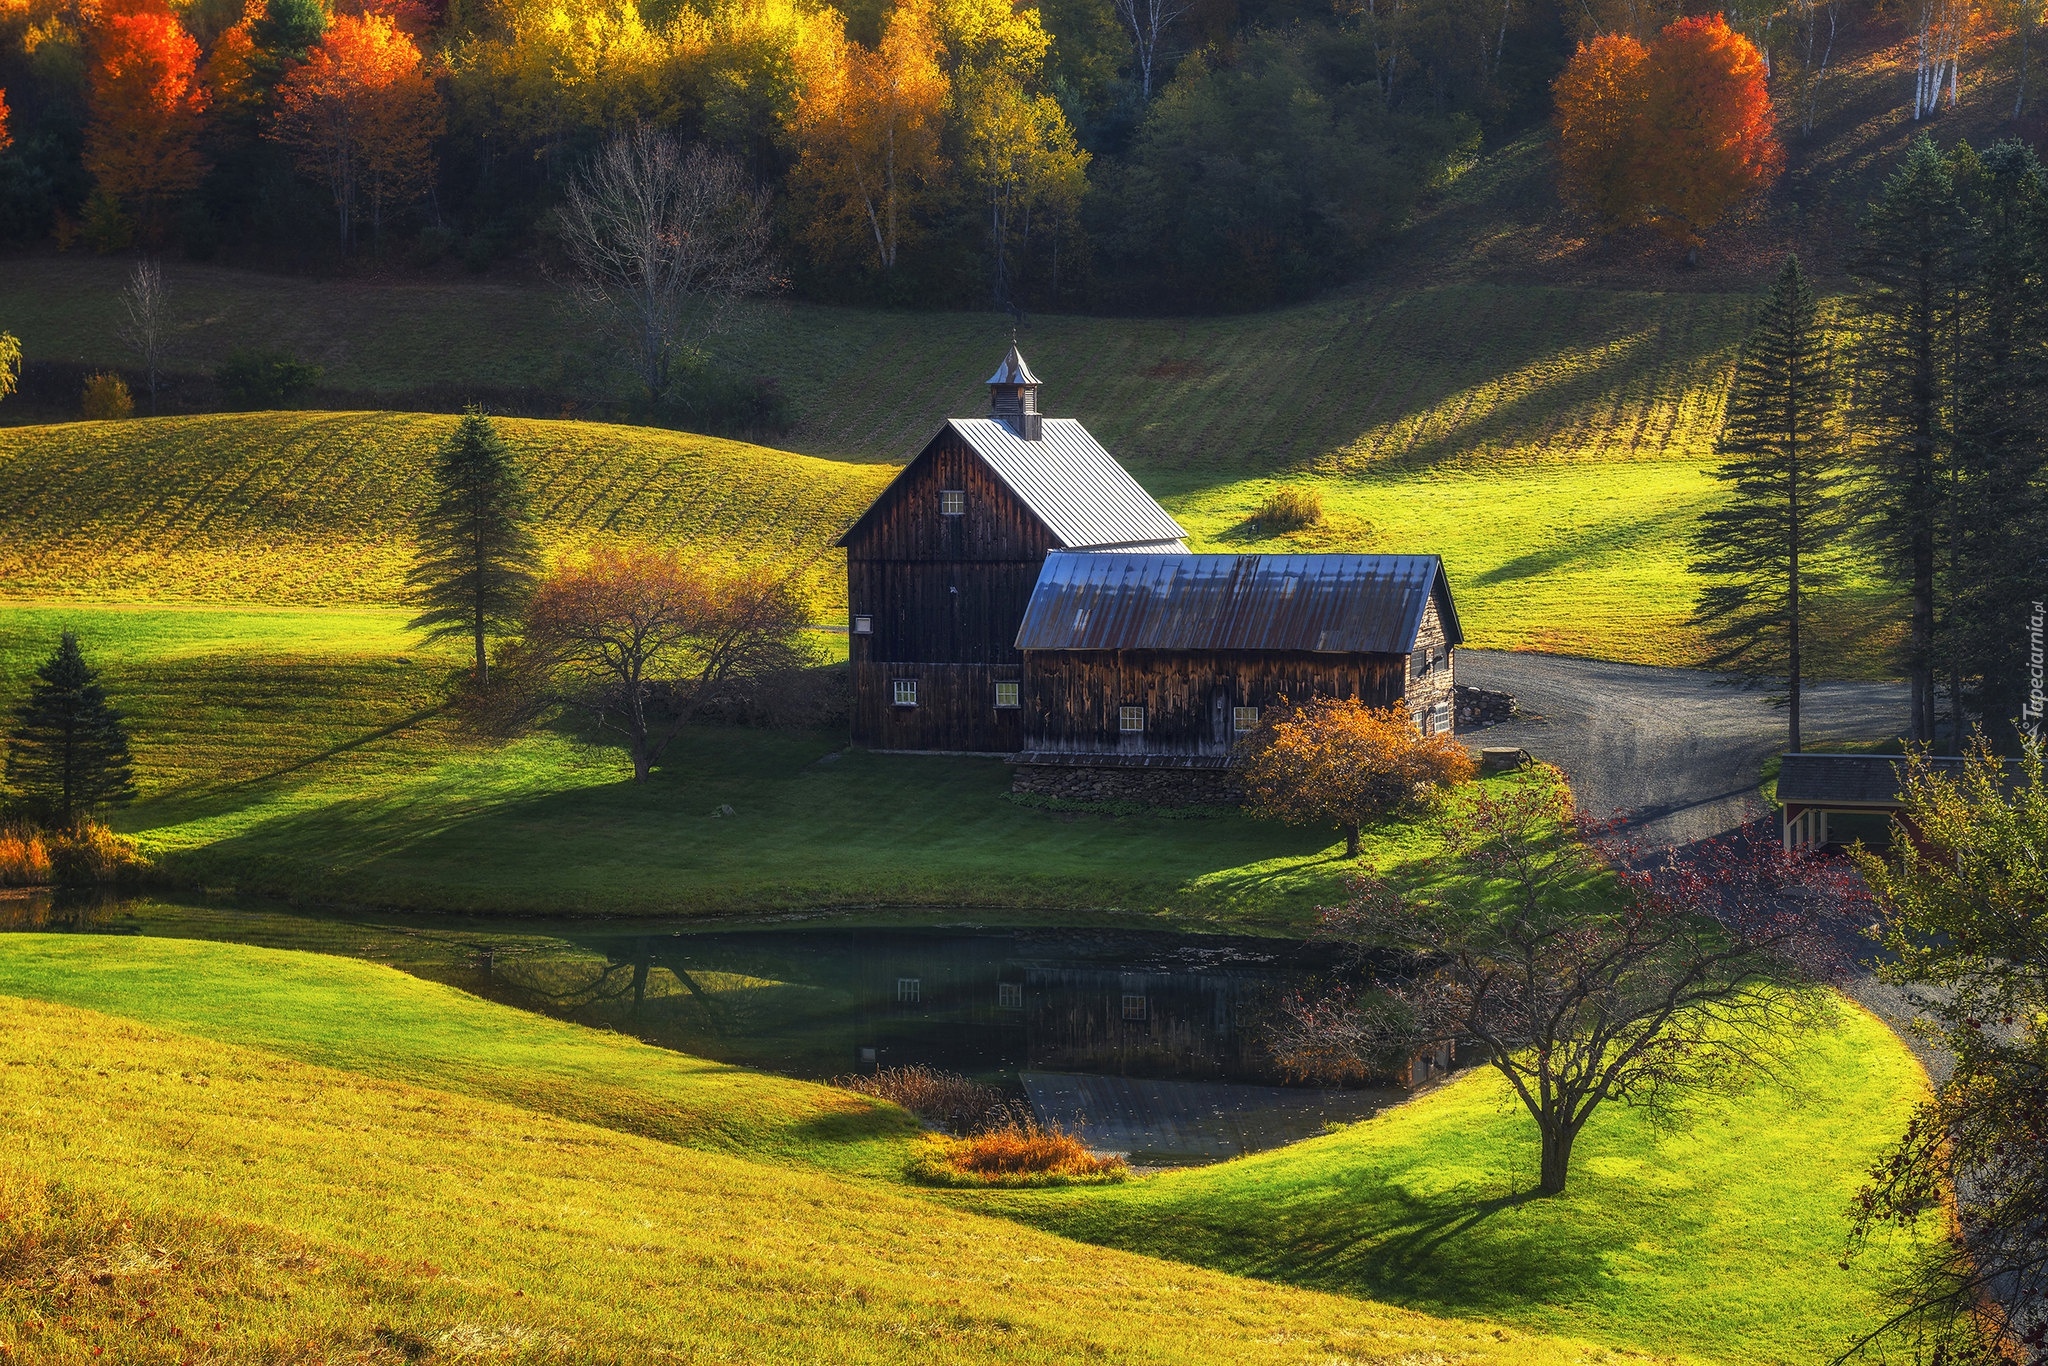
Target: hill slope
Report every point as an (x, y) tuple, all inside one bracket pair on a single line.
[(318, 507)]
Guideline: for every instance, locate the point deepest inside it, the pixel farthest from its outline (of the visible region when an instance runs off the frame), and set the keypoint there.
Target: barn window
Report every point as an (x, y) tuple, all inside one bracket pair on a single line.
[(1006, 695), (906, 692), (1134, 1006), (1244, 720), (1009, 995), (1130, 719), (863, 626), (952, 502), (909, 991), (1440, 719)]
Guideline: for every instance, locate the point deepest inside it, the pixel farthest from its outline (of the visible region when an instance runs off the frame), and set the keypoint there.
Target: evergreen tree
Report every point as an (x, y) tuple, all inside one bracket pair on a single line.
[(1911, 266), (1782, 470), (68, 751), (1996, 482), (477, 562)]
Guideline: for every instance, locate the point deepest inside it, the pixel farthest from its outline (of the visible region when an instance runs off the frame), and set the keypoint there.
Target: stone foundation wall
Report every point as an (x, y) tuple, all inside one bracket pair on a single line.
[(1143, 786)]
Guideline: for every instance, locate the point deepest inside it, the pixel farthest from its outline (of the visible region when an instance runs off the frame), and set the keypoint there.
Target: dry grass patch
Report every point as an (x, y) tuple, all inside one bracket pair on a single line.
[(1018, 1153)]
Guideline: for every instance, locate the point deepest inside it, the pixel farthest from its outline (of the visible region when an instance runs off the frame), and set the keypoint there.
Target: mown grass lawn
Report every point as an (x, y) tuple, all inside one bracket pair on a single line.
[(1718, 1235), (381, 1126), (305, 754), (171, 1198)]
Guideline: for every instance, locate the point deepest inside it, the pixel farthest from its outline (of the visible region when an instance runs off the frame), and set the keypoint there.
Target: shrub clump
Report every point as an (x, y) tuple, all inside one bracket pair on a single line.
[(107, 398), (944, 1100), (1019, 1153), (24, 858), (265, 379), (1289, 509), (86, 855)]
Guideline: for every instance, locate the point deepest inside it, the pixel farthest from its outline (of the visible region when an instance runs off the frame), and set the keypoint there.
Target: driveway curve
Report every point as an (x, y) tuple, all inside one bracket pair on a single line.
[(1677, 750)]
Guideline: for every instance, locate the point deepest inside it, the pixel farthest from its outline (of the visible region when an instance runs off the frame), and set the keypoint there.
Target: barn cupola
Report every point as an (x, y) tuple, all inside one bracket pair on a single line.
[(1013, 396)]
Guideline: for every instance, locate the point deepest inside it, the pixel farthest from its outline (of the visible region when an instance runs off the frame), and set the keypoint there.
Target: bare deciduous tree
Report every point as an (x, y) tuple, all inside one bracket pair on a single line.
[(1578, 981), (665, 240), (644, 641), (1940, 28), (1148, 21), (1813, 24), (146, 301)]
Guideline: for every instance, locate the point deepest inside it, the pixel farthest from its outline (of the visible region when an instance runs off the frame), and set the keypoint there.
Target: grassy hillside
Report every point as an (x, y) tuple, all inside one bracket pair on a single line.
[(539, 1134), (304, 753), (169, 1198), (1718, 1235), (318, 507)]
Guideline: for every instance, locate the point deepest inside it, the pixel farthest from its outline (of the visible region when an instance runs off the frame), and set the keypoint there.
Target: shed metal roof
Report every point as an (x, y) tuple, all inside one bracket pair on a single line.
[(1334, 604), (1085, 498), (1855, 780)]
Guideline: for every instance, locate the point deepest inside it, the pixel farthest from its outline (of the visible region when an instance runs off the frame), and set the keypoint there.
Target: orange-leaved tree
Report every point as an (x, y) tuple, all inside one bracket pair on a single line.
[(867, 125), (361, 113), (6, 137), (1336, 761), (146, 103), (1670, 135)]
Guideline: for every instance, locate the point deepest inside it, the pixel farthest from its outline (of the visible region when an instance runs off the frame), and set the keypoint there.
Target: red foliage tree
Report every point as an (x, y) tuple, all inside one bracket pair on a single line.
[(361, 113), (1668, 136), (142, 144)]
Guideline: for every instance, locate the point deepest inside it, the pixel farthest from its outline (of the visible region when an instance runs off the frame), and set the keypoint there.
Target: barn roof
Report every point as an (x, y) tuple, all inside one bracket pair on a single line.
[(1338, 604), (1857, 780), (1077, 489)]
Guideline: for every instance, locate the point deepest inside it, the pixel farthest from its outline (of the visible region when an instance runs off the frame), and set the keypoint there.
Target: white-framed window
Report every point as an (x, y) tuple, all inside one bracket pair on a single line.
[(1244, 720), (905, 692), (1440, 719), (1009, 995), (909, 991), (952, 502), (1134, 1006), (1007, 696), (863, 626), (1130, 720)]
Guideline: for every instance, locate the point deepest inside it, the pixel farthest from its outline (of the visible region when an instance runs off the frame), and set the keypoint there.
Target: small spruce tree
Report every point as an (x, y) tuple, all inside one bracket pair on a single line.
[(477, 562), (68, 752), (1756, 551)]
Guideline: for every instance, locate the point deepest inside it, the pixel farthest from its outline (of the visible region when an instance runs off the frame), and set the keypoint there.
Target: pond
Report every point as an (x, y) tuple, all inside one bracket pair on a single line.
[(1150, 1044)]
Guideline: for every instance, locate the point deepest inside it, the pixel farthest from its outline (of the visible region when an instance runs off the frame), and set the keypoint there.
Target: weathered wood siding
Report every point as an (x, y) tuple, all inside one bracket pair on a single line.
[(945, 595), (1431, 668), (1072, 699)]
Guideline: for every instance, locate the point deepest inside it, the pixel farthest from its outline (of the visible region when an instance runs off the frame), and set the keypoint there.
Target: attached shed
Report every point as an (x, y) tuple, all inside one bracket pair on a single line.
[(1162, 659), (1813, 787)]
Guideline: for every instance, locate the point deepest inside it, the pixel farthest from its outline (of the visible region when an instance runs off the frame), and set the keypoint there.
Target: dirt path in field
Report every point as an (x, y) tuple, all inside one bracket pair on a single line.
[(1676, 749)]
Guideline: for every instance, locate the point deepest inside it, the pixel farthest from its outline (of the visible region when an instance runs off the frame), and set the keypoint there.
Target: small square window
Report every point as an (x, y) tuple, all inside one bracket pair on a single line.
[(1134, 1007), (952, 502), (906, 692), (863, 626), (909, 990), (1130, 719), (1006, 695), (1009, 995), (1244, 720)]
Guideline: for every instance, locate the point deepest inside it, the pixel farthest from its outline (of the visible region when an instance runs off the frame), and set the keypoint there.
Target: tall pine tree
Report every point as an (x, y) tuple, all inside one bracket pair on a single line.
[(1782, 467), (477, 561), (1996, 482), (1912, 268), (68, 752)]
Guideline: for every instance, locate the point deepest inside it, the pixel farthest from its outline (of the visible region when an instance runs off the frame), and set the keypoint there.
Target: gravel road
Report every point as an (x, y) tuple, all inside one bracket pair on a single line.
[(1676, 749)]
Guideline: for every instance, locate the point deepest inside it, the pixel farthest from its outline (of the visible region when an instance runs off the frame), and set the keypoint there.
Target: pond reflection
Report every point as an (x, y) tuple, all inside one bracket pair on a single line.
[(1022, 1008)]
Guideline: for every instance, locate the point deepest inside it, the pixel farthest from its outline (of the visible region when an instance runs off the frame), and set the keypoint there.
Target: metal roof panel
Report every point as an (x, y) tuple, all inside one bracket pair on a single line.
[(1085, 498)]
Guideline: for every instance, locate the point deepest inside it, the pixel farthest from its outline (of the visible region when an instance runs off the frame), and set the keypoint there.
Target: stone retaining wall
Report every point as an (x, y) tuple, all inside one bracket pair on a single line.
[(1143, 786)]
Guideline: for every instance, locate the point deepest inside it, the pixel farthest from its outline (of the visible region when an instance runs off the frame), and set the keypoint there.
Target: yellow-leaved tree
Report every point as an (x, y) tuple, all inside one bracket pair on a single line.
[(867, 126), (1021, 155), (1336, 761)]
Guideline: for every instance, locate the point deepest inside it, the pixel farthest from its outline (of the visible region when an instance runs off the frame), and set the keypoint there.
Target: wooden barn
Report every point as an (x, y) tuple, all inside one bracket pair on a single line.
[(1014, 591), (941, 565)]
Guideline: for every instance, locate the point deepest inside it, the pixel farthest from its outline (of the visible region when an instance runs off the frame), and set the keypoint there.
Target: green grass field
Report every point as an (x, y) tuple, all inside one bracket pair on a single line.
[(330, 1147)]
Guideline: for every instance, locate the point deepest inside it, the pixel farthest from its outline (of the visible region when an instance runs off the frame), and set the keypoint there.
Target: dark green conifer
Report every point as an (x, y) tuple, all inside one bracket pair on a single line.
[(1912, 268), (68, 752), (477, 561), (1782, 468)]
